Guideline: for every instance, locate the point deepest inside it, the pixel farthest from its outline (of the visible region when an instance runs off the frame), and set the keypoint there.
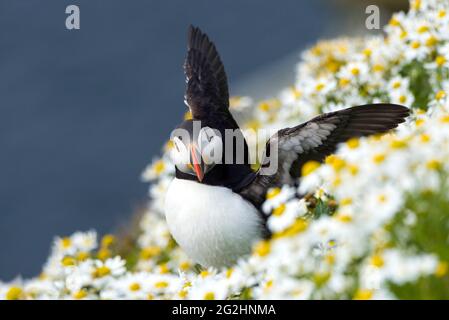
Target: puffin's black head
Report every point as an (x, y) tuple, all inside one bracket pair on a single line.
[(202, 150), (197, 149)]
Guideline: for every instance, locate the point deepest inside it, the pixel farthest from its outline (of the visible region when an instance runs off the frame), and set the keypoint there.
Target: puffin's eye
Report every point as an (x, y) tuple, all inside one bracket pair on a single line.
[(206, 135), (211, 145), (181, 156)]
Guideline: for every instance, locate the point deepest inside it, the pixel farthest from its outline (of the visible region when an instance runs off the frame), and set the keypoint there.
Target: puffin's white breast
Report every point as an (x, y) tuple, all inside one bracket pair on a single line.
[(212, 224)]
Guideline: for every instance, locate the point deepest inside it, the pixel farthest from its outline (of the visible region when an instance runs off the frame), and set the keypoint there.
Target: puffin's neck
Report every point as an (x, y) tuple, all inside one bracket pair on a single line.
[(232, 176)]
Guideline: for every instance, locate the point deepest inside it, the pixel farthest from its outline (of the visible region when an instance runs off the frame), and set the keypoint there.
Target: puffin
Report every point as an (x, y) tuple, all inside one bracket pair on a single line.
[(213, 206)]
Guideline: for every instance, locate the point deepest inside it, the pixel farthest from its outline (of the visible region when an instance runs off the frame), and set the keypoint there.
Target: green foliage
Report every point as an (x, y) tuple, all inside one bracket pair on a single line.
[(420, 84), (132, 258), (429, 233), (425, 288), (318, 207)]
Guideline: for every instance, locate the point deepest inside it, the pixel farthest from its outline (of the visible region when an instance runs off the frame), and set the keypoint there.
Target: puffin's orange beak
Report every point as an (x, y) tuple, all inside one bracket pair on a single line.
[(196, 157)]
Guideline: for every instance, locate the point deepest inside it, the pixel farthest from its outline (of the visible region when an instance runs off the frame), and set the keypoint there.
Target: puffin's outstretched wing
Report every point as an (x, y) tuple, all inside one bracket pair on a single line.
[(207, 86), (318, 138)]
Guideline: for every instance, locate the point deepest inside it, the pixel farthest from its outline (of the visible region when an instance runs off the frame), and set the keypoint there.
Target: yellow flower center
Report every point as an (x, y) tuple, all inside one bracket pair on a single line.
[(346, 201), (161, 284), (169, 145), (234, 101), (68, 261), (101, 272), (353, 169), (440, 95), (415, 45), (423, 29), (434, 164), (398, 144), (396, 84), (353, 143), (419, 122), (264, 107), (204, 273), (402, 99), (337, 181), (297, 227), (159, 166), (431, 41), (394, 22), (330, 258), (163, 268), (184, 266), (363, 294), (367, 52), (336, 162), (332, 65), (81, 294), (134, 286), (377, 261), (355, 71), (319, 87), (309, 167), (263, 248), (269, 284), (441, 269), (331, 243), (273, 192), (316, 50), (440, 60), (14, 293), (253, 124), (182, 294), (379, 158), (296, 93), (378, 68), (342, 217), (441, 13), (66, 242), (149, 252), (444, 119), (424, 138), (343, 82), (279, 210), (82, 256), (103, 254), (209, 296), (321, 278), (188, 115), (107, 240)]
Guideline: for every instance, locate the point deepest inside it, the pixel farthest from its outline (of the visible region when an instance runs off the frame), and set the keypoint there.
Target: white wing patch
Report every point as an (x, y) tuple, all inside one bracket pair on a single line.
[(308, 137), (300, 141)]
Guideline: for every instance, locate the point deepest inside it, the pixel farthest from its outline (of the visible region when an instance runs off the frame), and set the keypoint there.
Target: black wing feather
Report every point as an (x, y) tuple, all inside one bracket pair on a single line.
[(207, 85), (318, 138)]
